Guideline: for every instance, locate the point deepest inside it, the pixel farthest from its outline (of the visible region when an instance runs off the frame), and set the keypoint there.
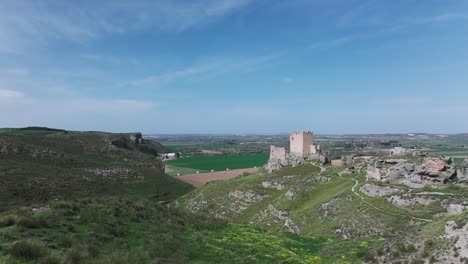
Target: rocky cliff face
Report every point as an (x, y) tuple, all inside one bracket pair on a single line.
[(276, 164), (462, 172), (432, 171)]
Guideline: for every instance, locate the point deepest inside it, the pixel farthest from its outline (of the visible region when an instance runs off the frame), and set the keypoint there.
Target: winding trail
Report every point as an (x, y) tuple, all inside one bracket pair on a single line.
[(383, 210)]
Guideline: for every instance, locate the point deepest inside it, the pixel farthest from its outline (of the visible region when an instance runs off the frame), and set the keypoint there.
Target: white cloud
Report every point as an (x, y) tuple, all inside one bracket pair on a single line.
[(14, 101), (413, 100), (336, 42), (30, 23), (209, 69), (434, 19), (10, 94)]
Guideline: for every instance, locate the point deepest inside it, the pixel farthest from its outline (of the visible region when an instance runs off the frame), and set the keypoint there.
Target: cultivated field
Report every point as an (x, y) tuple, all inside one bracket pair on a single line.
[(190, 165), (198, 180)]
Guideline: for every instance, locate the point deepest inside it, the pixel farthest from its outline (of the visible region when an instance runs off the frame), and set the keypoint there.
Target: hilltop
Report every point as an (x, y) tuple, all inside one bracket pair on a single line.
[(40, 164)]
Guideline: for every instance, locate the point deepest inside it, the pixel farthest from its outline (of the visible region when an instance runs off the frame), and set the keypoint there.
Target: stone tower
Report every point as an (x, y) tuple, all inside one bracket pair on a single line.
[(301, 142)]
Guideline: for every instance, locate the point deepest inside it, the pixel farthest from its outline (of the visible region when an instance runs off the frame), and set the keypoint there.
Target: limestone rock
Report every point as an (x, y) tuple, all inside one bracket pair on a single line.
[(460, 235), (434, 165), (377, 191), (408, 200), (276, 164), (457, 208), (462, 172), (374, 173)]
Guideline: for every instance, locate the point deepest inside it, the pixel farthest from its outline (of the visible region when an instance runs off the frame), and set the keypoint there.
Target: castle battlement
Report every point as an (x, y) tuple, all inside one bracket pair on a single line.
[(301, 132)]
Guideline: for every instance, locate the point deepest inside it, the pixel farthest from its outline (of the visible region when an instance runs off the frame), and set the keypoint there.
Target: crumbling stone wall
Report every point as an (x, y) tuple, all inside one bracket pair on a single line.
[(277, 153)]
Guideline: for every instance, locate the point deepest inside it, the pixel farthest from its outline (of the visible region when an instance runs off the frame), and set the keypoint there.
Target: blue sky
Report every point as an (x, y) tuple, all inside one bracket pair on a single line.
[(226, 66)]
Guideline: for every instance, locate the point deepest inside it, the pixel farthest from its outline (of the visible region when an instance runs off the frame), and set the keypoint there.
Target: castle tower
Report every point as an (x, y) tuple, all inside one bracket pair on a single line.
[(300, 143)]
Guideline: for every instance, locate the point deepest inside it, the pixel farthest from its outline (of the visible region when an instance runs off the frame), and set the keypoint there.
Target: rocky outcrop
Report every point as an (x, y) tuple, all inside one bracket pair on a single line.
[(375, 173), (409, 200), (433, 171), (462, 172), (434, 165), (458, 235), (276, 164), (377, 191), (457, 208)]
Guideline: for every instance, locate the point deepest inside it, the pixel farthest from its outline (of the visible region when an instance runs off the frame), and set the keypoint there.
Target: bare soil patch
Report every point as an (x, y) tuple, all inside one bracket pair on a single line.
[(198, 180), (211, 152)]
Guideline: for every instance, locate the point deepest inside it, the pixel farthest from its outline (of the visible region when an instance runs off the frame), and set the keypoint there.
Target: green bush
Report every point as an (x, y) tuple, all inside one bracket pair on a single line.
[(30, 222), (66, 242), (50, 259), (29, 250), (76, 255), (7, 221)]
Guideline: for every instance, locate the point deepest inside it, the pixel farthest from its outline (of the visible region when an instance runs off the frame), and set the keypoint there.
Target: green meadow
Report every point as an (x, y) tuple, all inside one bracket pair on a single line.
[(218, 163)]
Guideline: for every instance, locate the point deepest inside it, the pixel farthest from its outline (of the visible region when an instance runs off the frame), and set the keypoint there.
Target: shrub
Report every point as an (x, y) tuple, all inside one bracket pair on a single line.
[(50, 259), (7, 221), (66, 242), (77, 255), (411, 248), (29, 250), (30, 222)]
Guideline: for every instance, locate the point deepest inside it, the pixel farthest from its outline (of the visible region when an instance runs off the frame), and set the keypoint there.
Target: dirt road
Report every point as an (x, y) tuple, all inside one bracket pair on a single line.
[(198, 180)]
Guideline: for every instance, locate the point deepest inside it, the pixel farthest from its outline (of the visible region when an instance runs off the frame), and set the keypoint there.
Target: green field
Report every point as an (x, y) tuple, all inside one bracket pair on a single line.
[(218, 163)]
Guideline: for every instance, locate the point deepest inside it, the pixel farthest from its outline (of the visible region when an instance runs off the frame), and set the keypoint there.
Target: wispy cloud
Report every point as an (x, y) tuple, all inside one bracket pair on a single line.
[(336, 42), (12, 99), (403, 101), (10, 94), (206, 70), (23, 23), (108, 59), (439, 18)]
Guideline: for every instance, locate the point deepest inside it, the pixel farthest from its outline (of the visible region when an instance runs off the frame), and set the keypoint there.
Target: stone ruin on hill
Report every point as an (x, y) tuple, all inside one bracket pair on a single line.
[(432, 171), (301, 148)]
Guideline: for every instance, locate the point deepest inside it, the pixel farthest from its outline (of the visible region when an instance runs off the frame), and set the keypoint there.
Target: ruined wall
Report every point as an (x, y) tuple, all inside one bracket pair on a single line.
[(337, 163), (300, 143), (277, 153), (313, 149)]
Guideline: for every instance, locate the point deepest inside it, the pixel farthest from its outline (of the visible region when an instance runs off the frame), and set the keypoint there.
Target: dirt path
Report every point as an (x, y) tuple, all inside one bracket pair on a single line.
[(383, 210), (198, 180)]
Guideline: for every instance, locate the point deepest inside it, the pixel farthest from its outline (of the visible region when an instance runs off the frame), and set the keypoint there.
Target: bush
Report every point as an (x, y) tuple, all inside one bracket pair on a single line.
[(30, 222), (77, 255), (29, 250), (7, 221), (50, 259), (66, 242)]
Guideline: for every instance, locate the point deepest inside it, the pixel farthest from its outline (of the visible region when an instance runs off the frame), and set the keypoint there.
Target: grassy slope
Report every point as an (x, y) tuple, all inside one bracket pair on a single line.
[(105, 220), (43, 165), (321, 209)]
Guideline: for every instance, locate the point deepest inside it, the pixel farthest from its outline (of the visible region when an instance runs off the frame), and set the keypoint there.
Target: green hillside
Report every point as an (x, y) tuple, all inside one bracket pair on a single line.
[(325, 205), (94, 197), (40, 165)]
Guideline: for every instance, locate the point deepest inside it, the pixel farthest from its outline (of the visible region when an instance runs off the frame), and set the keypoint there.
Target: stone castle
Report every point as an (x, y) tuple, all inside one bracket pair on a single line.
[(301, 144), (301, 148)]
